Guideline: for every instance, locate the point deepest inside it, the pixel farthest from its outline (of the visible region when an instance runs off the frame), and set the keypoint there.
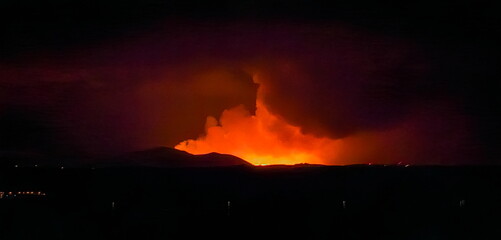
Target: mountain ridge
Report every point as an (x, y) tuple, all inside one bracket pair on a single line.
[(161, 157)]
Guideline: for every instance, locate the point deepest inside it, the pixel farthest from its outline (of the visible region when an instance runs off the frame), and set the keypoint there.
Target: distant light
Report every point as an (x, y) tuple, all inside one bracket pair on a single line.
[(62, 167), (16, 165), (36, 165), (407, 165)]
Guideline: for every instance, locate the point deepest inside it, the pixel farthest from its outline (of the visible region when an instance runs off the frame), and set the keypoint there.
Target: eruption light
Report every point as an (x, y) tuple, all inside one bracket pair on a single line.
[(261, 139)]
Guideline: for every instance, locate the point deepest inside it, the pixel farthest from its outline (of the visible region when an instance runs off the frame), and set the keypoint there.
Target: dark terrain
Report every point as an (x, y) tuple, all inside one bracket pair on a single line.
[(276, 202)]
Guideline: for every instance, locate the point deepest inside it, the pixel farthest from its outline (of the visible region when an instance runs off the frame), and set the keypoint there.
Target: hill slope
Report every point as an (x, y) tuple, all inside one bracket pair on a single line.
[(169, 157)]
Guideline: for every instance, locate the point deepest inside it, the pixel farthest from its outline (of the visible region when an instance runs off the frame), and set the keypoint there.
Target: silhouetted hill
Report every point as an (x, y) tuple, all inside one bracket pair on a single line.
[(169, 157), (162, 157)]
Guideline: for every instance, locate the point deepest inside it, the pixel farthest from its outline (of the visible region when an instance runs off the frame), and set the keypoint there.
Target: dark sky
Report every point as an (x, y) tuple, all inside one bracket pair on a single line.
[(94, 77)]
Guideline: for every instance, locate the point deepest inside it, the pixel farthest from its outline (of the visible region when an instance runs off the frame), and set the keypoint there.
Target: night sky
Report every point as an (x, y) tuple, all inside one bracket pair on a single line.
[(416, 82)]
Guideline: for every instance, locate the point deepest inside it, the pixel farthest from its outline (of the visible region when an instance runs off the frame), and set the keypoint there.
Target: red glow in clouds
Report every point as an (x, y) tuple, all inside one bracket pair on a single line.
[(261, 139)]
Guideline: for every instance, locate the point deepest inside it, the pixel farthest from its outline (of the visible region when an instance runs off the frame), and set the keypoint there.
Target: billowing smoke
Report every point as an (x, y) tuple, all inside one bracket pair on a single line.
[(261, 138), (327, 94), (424, 136)]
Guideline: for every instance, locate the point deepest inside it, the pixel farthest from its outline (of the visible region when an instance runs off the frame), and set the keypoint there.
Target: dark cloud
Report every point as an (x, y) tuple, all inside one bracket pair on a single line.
[(346, 82)]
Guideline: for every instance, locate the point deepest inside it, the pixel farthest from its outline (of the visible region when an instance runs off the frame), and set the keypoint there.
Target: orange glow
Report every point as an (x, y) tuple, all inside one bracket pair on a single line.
[(261, 139)]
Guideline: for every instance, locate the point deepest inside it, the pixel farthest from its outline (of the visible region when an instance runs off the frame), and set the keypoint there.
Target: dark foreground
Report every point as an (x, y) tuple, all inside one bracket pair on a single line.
[(357, 202)]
